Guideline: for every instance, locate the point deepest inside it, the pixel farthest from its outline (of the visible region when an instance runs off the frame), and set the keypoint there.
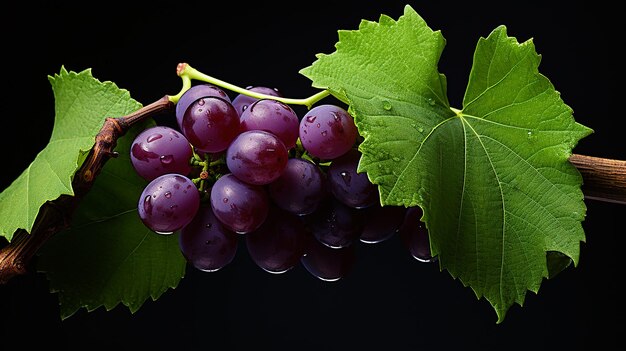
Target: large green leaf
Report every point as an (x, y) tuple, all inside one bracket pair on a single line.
[(108, 256), (81, 105), (494, 180)]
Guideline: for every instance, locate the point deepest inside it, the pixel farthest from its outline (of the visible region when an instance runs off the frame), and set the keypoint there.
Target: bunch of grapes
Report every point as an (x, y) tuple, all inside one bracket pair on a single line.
[(253, 169)]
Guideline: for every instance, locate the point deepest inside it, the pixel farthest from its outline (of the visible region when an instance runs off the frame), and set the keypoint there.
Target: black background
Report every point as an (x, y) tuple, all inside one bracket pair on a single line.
[(389, 301)]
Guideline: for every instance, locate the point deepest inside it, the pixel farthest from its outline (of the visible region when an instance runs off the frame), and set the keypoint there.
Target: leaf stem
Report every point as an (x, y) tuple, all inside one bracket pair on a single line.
[(188, 73), (457, 112)]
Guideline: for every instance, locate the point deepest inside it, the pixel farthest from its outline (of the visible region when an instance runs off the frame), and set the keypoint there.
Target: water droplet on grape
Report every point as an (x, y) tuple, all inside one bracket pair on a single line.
[(147, 205), (346, 177), (318, 125), (154, 137), (201, 102), (166, 159), (324, 133), (311, 119), (225, 200), (387, 105), (208, 225)]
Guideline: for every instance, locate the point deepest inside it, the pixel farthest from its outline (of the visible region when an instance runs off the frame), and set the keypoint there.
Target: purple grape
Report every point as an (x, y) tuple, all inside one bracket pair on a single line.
[(168, 203), (327, 131), (415, 235), (242, 101), (257, 157), (274, 117), (299, 189), (194, 93), (352, 188), (381, 222), (160, 150), (210, 124), (328, 264), (279, 243), (206, 243), (240, 206), (335, 224)]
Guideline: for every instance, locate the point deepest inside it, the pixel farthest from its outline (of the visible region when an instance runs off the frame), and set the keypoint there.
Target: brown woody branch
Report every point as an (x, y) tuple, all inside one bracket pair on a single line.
[(55, 216), (603, 180)]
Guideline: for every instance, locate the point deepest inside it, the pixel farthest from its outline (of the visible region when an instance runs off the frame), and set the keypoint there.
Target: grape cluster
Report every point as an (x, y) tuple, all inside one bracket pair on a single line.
[(253, 169)]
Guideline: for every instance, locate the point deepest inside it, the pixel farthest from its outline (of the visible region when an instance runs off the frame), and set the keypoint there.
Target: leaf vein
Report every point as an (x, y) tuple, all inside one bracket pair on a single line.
[(415, 155), (503, 207)]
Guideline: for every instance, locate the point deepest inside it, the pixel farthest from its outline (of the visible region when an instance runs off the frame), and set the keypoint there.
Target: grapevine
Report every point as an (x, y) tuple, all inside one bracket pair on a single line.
[(251, 168)]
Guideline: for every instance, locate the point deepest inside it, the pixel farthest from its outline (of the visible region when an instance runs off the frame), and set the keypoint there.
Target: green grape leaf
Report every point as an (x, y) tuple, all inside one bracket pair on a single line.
[(494, 179), (108, 256), (81, 105), (557, 262)]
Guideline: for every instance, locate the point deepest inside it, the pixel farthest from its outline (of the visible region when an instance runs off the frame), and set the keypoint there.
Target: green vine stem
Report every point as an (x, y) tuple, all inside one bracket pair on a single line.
[(188, 73)]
